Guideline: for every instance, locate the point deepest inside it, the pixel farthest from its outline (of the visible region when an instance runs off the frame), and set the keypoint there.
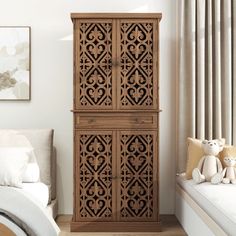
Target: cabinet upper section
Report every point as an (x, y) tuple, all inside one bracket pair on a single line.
[(116, 63)]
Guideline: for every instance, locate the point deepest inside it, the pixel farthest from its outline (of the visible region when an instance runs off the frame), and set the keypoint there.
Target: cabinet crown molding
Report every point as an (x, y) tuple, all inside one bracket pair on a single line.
[(105, 15)]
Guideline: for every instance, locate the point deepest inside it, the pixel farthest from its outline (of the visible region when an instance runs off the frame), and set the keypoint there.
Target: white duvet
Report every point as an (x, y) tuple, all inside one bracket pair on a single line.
[(37, 190), (28, 210)]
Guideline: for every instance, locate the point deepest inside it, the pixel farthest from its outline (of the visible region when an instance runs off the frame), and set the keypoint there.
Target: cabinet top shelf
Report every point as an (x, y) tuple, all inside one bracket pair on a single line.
[(116, 15), (115, 111)]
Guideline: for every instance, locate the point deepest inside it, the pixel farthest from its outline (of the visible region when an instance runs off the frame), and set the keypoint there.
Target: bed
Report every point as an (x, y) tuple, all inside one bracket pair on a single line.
[(37, 201), (206, 209)]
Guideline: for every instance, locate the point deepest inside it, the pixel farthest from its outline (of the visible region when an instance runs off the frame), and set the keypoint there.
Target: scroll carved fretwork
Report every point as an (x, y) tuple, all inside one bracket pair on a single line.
[(136, 185), (95, 65), (95, 176), (136, 72), (116, 122)]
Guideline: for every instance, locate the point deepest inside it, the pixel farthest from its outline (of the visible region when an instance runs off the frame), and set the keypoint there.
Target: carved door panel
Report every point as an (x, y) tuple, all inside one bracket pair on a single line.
[(94, 50), (137, 198), (95, 168), (138, 69)]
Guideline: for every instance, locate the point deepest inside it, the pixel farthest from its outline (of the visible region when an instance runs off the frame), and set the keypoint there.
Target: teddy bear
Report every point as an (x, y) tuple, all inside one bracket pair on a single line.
[(228, 175), (209, 165)]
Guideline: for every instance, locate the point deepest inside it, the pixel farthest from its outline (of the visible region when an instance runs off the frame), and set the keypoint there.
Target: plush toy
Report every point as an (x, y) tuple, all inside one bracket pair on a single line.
[(209, 164), (228, 175)]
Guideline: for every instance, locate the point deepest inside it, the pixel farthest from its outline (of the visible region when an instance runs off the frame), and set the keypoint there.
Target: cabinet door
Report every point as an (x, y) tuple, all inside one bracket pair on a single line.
[(95, 191), (137, 44), (137, 171), (94, 50)]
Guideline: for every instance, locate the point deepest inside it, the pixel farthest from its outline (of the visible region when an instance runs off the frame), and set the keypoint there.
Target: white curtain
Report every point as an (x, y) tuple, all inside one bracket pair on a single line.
[(207, 72)]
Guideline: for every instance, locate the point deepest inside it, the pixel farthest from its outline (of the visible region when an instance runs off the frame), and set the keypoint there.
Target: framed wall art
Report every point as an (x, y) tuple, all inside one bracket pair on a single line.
[(15, 56)]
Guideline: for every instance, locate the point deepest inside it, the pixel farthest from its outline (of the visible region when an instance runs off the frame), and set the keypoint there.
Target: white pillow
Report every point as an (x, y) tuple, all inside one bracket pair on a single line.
[(32, 172), (13, 163)]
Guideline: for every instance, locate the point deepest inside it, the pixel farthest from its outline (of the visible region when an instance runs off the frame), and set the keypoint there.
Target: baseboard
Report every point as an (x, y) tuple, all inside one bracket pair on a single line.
[(115, 226)]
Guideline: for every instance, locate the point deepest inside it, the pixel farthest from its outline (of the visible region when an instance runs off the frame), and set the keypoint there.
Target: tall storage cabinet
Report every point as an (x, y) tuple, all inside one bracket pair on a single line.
[(116, 117)]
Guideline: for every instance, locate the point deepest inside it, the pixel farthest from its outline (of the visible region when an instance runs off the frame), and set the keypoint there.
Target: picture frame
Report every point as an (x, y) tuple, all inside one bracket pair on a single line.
[(15, 63)]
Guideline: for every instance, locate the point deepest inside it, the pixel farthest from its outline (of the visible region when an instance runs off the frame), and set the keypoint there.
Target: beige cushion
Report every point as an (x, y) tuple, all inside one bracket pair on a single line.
[(227, 151), (195, 153), (41, 141)]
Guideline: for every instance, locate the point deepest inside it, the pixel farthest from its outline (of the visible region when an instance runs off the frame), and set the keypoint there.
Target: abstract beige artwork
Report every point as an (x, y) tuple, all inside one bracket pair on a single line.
[(14, 63)]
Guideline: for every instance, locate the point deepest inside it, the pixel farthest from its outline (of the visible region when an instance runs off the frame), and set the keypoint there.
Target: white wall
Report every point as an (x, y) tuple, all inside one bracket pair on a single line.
[(52, 80)]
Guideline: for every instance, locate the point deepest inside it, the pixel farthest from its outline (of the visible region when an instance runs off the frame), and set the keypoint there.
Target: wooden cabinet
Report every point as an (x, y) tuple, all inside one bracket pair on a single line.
[(116, 117)]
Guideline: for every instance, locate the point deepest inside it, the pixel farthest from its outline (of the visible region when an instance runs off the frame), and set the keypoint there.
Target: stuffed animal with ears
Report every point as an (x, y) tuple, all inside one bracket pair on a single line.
[(209, 164), (228, 175)]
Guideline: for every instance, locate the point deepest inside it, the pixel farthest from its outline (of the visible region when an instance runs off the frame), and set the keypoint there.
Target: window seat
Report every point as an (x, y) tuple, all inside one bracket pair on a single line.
[(214, 204)]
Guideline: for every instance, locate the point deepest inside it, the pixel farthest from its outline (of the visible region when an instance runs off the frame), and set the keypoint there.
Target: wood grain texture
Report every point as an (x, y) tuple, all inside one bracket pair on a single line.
[(170, 227), (5, 231), (115, 111), (116, 122), (116, 15), (115, 227), (137, 182), (136, 77), (94, 175), (93, 65)]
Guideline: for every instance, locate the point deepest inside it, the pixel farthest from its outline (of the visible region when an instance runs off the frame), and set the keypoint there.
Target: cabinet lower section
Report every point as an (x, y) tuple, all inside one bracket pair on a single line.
[(116, 181), (115, 226)]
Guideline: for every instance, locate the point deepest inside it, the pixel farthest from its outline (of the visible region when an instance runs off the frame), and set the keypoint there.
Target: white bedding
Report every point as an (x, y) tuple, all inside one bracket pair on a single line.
[(218, 201), (25, 208), (38, 190)]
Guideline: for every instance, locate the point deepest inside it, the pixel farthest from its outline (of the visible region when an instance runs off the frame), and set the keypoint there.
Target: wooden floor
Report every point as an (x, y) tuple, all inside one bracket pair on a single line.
[(170, 227)]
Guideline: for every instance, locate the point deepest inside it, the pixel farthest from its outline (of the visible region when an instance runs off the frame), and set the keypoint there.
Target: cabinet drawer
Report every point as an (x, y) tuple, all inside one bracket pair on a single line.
[(115, 120)]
